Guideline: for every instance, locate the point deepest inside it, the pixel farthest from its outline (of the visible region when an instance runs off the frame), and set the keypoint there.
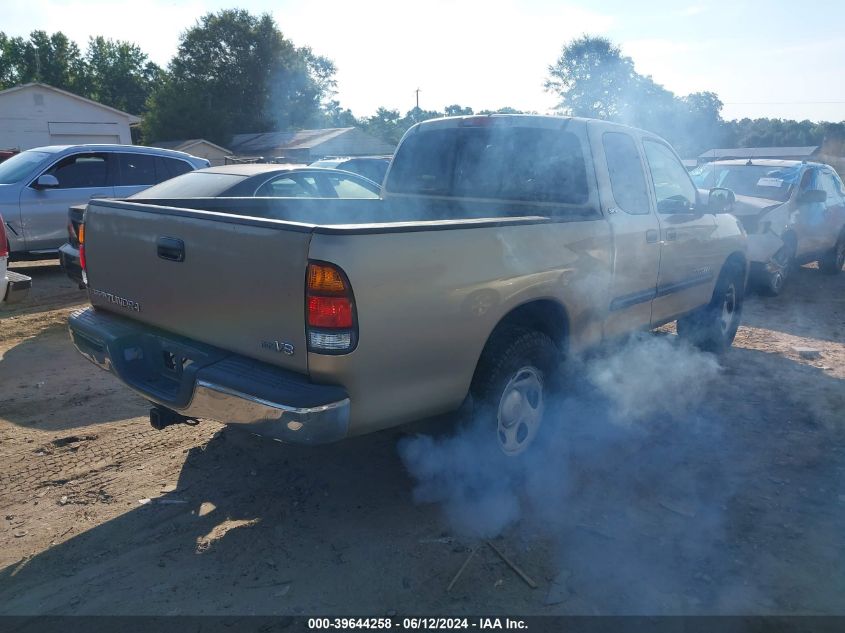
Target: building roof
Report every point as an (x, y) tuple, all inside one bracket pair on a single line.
[(268, 142), (36, 84), (183, 145), (759, 152)]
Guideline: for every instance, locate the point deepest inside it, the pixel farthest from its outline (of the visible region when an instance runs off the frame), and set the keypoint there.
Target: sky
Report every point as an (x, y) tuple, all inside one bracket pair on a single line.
[(764, 58)]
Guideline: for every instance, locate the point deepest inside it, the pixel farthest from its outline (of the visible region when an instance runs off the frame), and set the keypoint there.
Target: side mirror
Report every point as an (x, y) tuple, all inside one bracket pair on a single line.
[(720, 200), (812, 196), (46, 181), (675, 204)]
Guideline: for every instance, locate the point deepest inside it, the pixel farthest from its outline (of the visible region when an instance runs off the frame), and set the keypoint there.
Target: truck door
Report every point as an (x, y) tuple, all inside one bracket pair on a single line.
[(687, 272), (636, 250)]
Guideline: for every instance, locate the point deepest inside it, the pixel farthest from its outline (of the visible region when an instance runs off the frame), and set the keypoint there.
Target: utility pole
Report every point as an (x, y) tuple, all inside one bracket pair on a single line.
[(418, 98)]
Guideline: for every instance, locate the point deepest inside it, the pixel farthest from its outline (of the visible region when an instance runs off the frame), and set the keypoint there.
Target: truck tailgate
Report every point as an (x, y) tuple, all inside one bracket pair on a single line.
[(232, 282)]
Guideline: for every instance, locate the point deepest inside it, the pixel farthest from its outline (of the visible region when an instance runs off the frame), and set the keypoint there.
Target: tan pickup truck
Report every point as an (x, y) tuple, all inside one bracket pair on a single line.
[(500, 246)]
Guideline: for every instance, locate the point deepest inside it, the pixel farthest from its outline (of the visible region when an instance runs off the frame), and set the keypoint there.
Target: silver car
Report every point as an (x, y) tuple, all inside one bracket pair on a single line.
[(37, 186)]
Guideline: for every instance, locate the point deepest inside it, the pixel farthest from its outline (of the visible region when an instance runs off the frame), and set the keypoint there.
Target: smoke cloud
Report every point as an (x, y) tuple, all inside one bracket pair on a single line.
[(644, 383), (615, 450)]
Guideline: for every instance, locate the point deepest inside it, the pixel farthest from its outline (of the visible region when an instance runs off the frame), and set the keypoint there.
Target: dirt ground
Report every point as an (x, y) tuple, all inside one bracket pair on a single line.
[(101, 514)]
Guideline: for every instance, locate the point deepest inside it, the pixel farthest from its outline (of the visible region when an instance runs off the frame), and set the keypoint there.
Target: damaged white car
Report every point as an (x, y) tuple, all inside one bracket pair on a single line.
[(793, 212)]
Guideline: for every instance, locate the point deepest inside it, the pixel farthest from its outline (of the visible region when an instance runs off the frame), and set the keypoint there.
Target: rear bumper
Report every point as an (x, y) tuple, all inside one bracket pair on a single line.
[(17, 287), (206, 382), (69, 259)]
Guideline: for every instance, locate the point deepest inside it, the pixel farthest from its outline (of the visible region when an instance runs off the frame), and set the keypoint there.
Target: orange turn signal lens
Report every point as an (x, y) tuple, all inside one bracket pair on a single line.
[(324, 278), (81, 235)]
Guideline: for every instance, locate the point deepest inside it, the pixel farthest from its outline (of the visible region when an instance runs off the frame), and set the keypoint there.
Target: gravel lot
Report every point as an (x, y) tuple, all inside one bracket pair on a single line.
[(734, 506)]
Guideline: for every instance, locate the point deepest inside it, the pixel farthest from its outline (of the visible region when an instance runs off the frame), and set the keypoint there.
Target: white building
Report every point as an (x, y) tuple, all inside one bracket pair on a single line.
[(36, 114)]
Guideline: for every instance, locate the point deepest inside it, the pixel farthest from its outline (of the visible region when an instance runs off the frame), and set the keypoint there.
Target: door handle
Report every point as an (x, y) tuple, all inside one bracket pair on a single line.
[(651, 236), (671, 235), (171, 248)]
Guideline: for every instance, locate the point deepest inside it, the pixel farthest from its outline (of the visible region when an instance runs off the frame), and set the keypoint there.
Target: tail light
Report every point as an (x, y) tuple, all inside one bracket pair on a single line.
[(330, 310), (4, 245), (81, 236)]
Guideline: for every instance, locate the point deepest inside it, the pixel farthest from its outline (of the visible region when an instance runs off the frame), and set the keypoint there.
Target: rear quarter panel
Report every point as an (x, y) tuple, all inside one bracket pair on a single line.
[(428, 300)]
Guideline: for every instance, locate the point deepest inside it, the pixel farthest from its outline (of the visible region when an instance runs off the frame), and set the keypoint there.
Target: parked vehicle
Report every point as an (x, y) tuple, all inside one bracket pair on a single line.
[(500, 245), (264, 180), (793, 212), (38, 185), (372, 167), (229, 181), (14, 286)]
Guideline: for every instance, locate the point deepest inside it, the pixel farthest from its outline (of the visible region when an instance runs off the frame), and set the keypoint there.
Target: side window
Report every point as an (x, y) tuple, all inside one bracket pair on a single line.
[(81, 171), (347, 188), (136, 170), (288, 186), (673, 188), (808, 180), (167, 168), (627, 179), (828, 183)]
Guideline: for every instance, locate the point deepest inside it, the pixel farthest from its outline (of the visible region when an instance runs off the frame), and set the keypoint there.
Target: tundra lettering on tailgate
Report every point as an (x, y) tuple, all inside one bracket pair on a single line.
[(123, 302)]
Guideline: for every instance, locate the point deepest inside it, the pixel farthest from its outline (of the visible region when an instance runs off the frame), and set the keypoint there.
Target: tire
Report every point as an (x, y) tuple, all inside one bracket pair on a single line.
[(771, 284), (713, 327), (512, 384), (832, 262)]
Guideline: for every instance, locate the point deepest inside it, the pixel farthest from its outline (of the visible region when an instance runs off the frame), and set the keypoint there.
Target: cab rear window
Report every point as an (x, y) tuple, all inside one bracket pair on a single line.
[(496, 162)]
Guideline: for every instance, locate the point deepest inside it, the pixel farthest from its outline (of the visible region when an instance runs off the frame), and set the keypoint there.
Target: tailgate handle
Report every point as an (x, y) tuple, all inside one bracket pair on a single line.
[(171, 249)]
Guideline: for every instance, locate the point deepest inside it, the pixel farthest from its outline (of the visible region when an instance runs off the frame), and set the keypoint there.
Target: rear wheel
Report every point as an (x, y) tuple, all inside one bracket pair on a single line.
[(834, 260), (511, 386), (713, 327)]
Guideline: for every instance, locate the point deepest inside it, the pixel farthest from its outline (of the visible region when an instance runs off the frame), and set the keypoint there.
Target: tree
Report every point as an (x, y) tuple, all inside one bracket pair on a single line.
[(51, 59), (505, 110), (457, 110), (119, 74), (235, 72), (593, 79)]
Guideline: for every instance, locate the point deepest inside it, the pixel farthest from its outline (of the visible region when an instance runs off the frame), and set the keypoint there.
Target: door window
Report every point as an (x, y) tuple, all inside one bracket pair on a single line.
[(627, 179), (347, 188), (673, 187), (290, 186), (167, 168), (81, 171), (828, 184), (136, 170)]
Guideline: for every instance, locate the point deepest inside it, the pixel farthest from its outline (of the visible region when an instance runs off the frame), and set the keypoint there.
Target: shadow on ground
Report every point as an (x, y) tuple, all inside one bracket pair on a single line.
[(46, 384)]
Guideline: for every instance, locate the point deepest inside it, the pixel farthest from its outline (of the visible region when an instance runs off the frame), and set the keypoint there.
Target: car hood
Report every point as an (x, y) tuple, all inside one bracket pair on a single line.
[(749, 205)]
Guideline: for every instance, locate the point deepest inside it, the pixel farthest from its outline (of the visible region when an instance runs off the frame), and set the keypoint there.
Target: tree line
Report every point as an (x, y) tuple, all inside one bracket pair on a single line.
[(235, 72)]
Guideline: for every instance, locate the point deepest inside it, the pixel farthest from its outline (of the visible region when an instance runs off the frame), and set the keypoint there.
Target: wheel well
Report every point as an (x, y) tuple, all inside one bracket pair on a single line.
[(736, 259), (543, 315)]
